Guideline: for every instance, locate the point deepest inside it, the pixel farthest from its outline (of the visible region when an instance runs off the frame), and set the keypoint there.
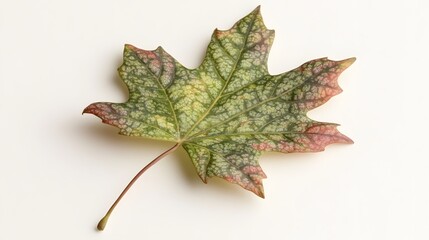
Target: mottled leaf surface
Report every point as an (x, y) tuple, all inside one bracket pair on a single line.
[(229, 110)]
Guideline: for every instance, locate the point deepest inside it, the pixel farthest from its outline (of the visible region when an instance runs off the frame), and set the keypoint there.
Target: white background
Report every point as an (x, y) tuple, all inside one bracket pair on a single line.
[(60, 171)]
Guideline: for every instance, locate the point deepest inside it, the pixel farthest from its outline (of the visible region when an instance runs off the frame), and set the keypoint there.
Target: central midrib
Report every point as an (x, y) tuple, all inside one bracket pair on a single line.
[(226, 82)]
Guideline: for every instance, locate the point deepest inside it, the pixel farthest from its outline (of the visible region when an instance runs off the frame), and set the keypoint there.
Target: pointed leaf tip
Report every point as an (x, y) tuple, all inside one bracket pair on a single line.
[(347, 62), (260, 193), (87, 110), (256, 11)]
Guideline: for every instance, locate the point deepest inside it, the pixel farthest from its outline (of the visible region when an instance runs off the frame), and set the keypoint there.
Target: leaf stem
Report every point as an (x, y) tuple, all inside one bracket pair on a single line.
[(102, 224)]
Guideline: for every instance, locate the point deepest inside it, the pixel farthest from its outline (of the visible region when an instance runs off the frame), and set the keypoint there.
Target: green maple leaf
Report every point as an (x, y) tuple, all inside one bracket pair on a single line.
[(229, 110)]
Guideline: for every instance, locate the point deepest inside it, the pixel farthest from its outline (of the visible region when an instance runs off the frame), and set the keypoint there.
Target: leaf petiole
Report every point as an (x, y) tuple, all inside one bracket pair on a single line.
[(102, 224)]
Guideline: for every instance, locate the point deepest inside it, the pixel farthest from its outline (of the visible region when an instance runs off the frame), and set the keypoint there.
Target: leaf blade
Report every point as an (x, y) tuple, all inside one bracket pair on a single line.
[(229, 110)]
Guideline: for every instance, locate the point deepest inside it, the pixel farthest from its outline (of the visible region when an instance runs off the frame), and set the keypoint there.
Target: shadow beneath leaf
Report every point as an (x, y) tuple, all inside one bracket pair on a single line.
[(219, 185), (108, 135)]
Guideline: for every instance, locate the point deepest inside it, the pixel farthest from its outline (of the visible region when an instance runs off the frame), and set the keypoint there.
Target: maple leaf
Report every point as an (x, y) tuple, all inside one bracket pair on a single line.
[(229, 110)]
